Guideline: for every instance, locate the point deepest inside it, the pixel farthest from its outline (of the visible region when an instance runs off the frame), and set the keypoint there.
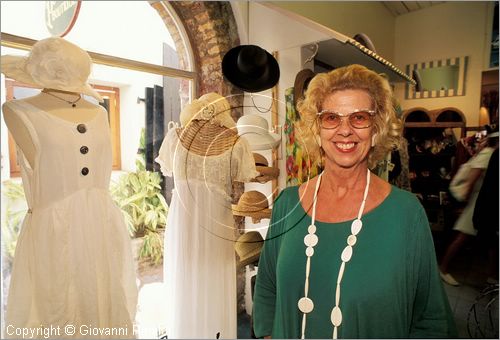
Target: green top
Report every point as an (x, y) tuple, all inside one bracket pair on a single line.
[(390, 288)]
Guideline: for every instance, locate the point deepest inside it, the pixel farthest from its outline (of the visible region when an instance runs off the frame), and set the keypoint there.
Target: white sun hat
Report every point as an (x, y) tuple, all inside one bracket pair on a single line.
[(255, 129), (52, 63)]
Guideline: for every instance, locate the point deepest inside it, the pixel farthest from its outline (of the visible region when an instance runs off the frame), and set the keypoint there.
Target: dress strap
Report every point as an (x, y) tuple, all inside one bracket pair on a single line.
[(172, 125)]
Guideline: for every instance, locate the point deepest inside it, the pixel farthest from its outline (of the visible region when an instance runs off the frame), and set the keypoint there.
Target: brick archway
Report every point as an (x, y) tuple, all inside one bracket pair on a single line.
[(212, 31)]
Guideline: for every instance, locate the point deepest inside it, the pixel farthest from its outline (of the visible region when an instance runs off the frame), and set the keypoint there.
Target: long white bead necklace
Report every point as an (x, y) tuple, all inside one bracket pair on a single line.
[(305, 304)]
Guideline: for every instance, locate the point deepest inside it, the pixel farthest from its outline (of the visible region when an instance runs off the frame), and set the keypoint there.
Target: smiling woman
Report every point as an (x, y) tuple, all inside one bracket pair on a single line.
[(346, 227)]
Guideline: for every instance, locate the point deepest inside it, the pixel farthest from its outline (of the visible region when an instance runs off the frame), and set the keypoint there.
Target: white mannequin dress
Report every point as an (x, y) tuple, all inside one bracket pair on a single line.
[(73, 263), (199, 261)]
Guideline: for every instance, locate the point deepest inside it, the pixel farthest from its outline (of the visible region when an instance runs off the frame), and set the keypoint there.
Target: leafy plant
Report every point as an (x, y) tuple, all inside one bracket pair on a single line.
[(139, 196), (140, 162)]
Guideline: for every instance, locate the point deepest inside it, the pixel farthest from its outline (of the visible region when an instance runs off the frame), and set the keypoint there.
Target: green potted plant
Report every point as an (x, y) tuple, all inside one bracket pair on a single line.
[(138, 194)]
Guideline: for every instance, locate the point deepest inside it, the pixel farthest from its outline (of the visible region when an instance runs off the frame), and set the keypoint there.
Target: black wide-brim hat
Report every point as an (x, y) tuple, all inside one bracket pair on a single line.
[(250, 68)]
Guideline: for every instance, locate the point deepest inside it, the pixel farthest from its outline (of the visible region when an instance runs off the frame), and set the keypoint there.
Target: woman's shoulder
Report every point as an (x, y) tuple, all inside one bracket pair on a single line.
[(287, 195), (404, 201)]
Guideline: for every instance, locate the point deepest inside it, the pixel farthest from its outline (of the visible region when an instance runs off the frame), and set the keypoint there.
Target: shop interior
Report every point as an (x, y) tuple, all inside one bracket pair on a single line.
[(157, 57)]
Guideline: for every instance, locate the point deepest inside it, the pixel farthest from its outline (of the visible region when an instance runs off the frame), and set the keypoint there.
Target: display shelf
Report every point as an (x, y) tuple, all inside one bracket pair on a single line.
[(431, 149)]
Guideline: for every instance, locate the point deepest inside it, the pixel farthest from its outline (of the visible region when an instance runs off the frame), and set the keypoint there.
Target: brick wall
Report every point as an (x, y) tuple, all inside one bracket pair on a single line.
[(211, 31)]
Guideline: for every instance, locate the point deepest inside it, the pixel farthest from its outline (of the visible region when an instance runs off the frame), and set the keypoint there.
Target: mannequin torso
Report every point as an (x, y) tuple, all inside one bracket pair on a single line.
[(58, 107)]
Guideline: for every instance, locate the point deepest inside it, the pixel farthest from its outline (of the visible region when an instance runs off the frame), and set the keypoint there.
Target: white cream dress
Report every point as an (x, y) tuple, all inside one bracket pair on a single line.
[(199, 258), (73, 263)]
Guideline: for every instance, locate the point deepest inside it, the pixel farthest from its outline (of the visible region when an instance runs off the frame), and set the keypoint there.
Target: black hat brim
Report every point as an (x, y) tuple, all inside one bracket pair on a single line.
[(245, 82)]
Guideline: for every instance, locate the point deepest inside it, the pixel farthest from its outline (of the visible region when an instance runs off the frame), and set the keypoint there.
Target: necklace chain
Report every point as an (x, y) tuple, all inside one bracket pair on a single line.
[(305, 303), (71, 102)]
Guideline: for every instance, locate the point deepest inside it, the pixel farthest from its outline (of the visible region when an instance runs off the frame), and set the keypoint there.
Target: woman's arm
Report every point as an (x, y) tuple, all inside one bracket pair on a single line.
[(264, 303), (431, 316)]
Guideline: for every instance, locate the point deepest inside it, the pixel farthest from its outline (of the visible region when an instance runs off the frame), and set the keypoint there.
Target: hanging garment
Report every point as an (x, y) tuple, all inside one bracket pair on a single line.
[(73, 263), (199, 260)]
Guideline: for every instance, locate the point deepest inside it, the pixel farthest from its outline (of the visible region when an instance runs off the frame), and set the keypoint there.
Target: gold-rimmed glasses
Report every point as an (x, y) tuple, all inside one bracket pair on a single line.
[(358, 119)]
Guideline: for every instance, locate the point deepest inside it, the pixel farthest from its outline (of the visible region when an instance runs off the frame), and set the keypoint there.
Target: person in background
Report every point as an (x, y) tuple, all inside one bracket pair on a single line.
[(485, 217), (347, 254), (464, 224)]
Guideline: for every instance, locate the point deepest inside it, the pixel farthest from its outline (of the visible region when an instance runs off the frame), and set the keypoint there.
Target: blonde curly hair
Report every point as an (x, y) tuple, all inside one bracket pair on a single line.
[(386, 124)]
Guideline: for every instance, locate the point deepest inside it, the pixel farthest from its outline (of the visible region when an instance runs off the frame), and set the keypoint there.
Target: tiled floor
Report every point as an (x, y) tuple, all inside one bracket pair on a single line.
[(473, 316)]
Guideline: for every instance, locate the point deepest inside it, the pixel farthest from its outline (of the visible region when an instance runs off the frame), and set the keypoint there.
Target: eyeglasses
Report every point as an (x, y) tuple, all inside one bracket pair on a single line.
[(358, 119)]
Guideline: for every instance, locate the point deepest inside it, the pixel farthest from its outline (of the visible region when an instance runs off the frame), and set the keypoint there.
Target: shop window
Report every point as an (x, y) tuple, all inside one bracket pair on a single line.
[(111, 96)]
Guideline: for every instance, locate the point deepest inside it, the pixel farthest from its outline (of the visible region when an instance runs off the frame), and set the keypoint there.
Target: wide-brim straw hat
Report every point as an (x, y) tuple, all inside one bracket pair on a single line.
[(267, 173), (52, 63), (253, 204), (248, 247), (255, 129), (300, 84), (250, 68)]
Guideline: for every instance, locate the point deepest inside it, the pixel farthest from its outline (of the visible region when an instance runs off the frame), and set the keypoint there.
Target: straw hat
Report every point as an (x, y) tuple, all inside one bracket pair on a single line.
[(260, 160), (52, 63), (212, 107), (248, 247), (250, 68), (255, 129), (267, 173), (253, 204), (300, 84)]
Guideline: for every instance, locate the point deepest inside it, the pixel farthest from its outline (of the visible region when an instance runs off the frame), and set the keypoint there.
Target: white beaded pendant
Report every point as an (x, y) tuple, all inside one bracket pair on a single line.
[(311, 240), (336, 316), (306, 305), (346, 254), (351, 240), (356, 227)]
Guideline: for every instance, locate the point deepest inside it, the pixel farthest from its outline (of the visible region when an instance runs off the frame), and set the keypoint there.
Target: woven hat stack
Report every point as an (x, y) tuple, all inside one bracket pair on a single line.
[(267, 173), (248, 247), (253, 204)]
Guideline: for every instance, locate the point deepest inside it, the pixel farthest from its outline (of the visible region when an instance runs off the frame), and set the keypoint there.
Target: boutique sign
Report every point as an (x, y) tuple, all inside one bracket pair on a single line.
[(60, 16)]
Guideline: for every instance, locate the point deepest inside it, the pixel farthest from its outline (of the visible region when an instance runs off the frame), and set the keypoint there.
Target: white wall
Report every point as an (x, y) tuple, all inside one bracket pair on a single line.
[(443, 31), (350, 18)]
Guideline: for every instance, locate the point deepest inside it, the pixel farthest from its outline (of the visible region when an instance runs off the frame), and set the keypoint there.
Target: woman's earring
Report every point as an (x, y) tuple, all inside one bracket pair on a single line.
[(373, 140)]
